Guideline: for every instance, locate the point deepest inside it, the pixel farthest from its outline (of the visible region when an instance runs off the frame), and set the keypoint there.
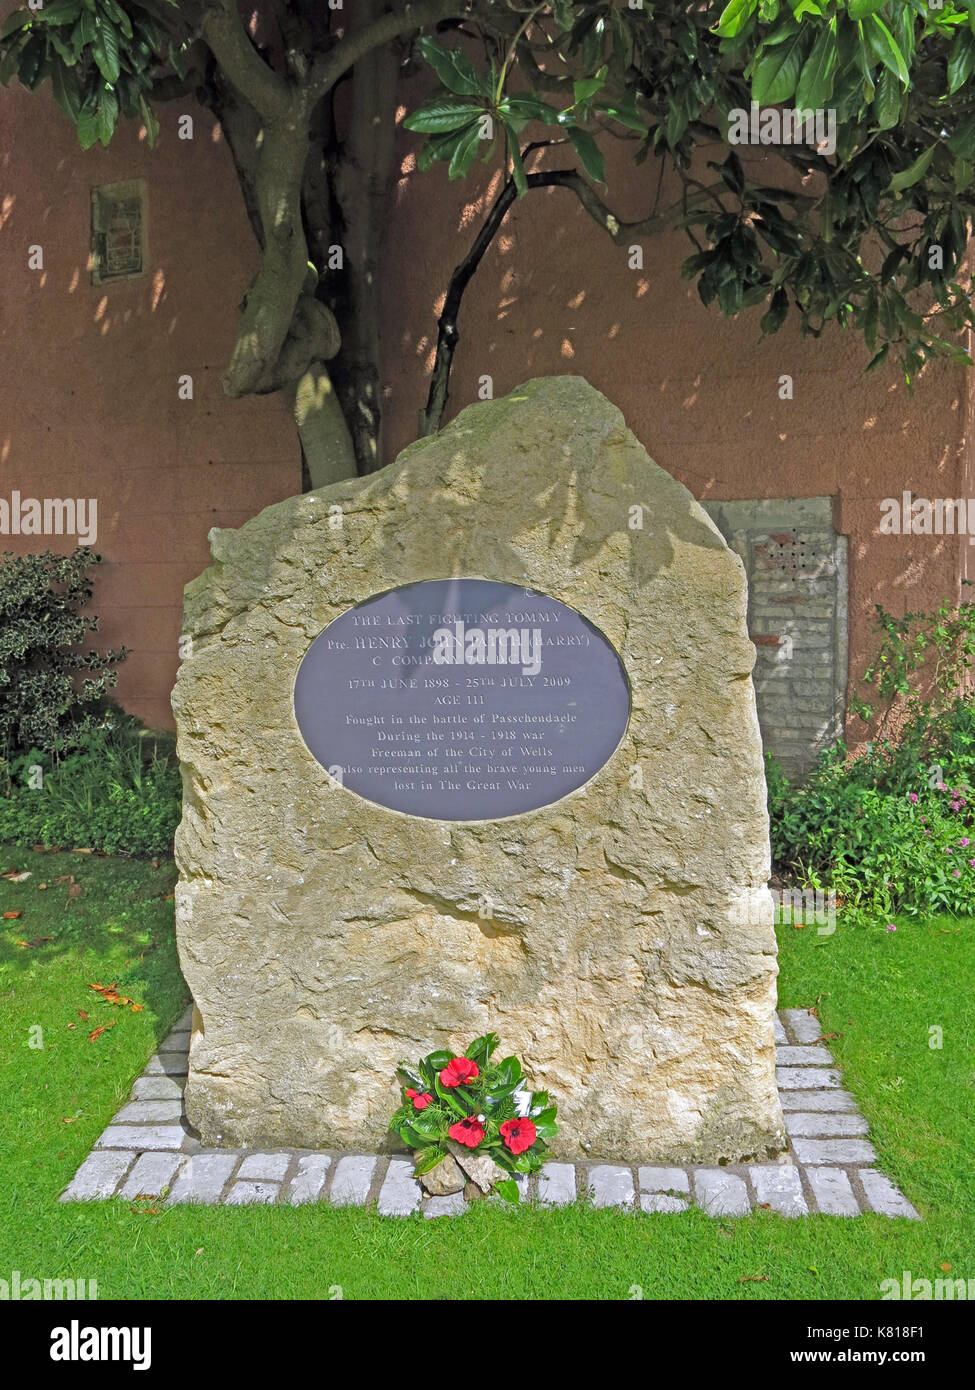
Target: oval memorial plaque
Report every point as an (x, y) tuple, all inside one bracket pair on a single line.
[(462, 699)]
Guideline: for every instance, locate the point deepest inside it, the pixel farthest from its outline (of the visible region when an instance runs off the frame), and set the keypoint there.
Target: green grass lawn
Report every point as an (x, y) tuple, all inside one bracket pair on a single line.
[(880, 992)]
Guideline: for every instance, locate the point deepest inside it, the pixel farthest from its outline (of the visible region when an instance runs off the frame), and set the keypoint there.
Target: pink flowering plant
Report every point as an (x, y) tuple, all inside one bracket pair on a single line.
[(478, 1103)]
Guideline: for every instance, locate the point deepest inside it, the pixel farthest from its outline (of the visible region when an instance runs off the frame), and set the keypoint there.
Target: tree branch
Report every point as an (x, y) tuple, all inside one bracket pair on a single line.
[(448, 335), (231, 46), (417, 15)]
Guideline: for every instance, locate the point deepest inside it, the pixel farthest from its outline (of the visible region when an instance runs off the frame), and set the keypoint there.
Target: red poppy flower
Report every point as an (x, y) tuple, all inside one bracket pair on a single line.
[(420, 1102), (459, 1071), (468, 1132), (518, 1135)]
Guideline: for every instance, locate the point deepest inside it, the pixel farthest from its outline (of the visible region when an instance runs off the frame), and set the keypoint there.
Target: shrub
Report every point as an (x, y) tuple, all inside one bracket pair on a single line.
[(892, 829), (118, 790), (43, 705)]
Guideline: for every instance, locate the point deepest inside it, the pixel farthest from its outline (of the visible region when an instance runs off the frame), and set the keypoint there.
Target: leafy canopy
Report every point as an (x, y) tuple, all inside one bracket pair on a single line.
[(870, 234)]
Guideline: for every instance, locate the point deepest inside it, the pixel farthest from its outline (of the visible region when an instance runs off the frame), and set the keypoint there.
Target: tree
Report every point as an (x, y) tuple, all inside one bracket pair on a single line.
[(863, 220)]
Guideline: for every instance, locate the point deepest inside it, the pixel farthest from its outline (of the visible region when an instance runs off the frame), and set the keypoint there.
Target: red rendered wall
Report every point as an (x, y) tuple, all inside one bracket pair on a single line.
[(89, 387)]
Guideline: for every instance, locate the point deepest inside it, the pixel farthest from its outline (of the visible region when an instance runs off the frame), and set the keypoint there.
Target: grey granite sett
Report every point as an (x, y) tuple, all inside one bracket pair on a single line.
[(884, 1197), (820, 1124), (204, 1176), (312, 1174), (244, 1194), (141, 1137), (611, 1186), (151, 1173), (166, 1064), (832, 1191), (806, 1078), (400, 1193), (451, 1205), (148, 1149), (557, 1184), (660, 1201), (803, 1026), (158, 1088), (803, 1057), (98, 1176), (818, 1100), (720, 1193), (836, 1151), (144, 1112), (353, 1176), (271, 1167), (663, 1180), (777, 1185)]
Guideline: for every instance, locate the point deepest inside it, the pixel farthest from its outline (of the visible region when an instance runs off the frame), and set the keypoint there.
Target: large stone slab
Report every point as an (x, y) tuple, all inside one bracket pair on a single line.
[(619, 940)]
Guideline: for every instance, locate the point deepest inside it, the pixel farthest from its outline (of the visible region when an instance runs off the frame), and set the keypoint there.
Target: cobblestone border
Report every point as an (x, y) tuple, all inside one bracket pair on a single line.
[(150, 1149)]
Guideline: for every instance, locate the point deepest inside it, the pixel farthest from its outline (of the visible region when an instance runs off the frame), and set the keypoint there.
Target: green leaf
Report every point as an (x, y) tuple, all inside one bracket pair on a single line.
[(443, 115), (878, 358), (815, 85), (517, 163), (107, 115), (881, 44), (449, 1097), (425, 1160), (509, 1190), (481, 1048), (451, 66), (775, 74), (65, 13), (908, 177), (887, 100), (589, 152), (88, 129), (64, 86), (18, 20), (465, 152), (859, 9), (961, 60), (588, 86), (105, 49), (961, 142), (149, 120), (734, 17)]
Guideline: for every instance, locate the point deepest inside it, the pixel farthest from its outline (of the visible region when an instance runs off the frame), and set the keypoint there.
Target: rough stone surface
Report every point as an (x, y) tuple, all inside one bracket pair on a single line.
[(98, 1176), (158, 1088), (883, 1196), (353, 1175), (480, 1168), (838, 1151), (842, 1190), (400, 1193), (451, 1205), (307, 1183), (833, 1192), (720, 1193), (557, 1184), (610, 1186), (325, 937), (444, 1179), (820, 1124), (203, 1177), (151, 1173), (661, 1201), (778, 1186), (663, 1180)]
